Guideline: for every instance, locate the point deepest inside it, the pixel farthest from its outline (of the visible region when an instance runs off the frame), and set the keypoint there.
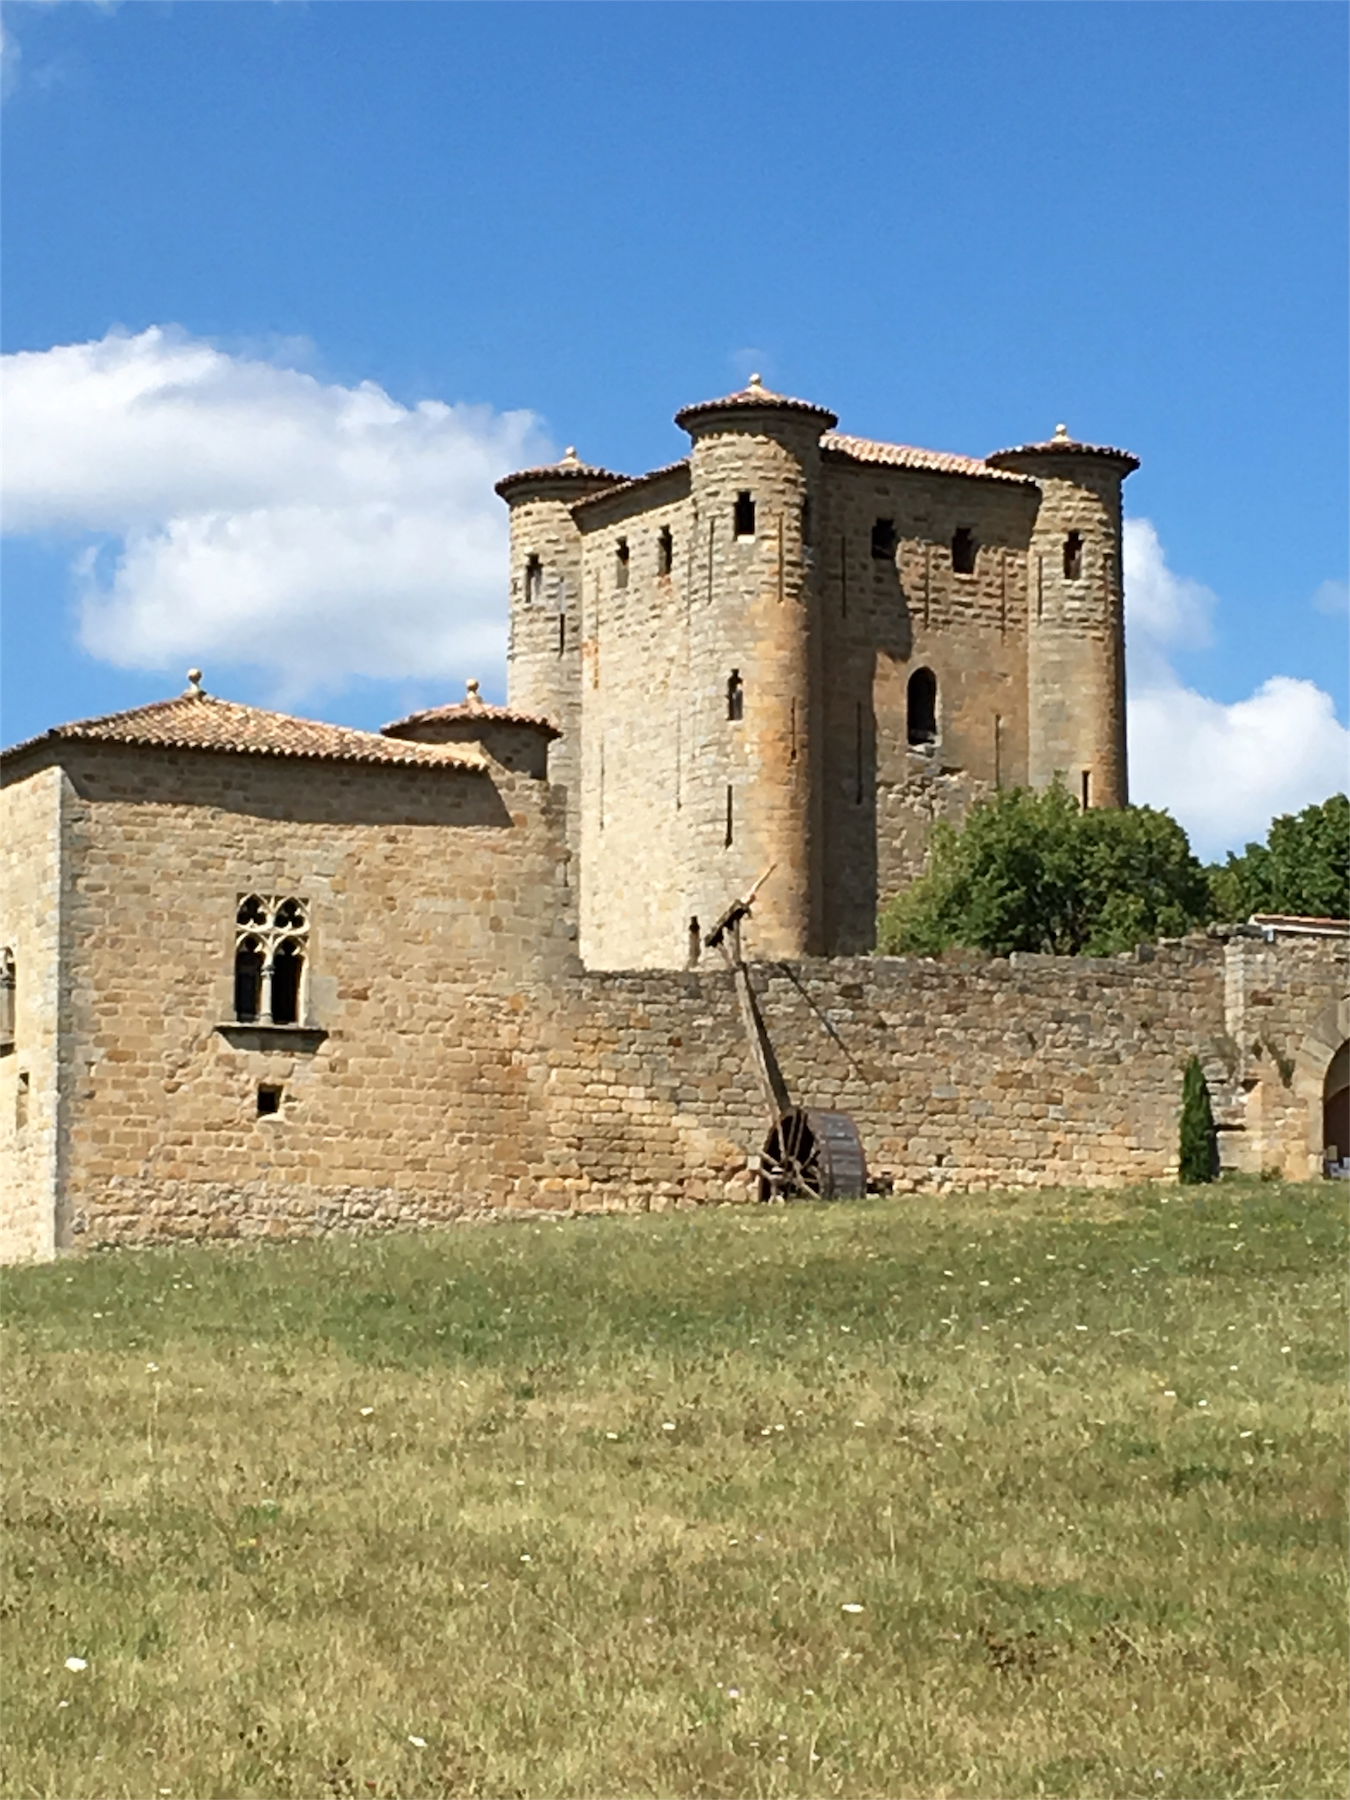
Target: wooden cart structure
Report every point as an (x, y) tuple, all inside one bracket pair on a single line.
[(808, 1154)]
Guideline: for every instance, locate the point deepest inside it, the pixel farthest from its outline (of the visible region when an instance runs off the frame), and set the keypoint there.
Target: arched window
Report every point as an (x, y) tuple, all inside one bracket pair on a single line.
[(270, 940), (963, 550), (621, 563), (921, 707), (735, 695)]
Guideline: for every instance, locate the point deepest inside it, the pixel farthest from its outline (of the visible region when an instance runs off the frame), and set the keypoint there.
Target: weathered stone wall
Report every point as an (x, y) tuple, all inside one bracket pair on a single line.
[(883, 618), (436, 914), (31, 921)]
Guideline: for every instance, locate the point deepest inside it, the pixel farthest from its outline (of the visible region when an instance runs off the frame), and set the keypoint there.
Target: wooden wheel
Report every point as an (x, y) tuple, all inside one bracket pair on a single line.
[(812, 1156)]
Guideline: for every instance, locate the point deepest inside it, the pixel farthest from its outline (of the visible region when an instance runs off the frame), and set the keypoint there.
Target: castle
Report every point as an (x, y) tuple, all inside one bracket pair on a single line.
[(260, 974), (797, 648)]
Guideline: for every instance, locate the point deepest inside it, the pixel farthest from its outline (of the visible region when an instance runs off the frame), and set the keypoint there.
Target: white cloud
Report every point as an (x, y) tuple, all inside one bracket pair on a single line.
[(1223, 769), (1333, 597), (259, 516)]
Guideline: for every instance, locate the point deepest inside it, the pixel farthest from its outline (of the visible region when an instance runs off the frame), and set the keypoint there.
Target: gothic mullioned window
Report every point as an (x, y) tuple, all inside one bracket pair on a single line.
[(271, 938)]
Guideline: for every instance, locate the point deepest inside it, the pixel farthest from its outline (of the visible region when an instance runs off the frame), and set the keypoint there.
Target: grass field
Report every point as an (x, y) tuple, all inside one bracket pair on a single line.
[(996, 1496)]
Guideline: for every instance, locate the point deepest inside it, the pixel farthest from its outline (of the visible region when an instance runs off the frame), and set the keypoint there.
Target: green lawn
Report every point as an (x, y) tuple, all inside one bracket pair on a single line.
[(997, 1496)]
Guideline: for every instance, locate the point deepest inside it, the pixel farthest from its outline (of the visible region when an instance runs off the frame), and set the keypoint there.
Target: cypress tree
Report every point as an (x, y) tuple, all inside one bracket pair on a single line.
[(1199, 1158)]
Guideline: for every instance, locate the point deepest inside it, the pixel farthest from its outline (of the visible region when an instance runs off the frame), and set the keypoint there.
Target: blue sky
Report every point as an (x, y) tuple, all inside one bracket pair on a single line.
[(287, 285)]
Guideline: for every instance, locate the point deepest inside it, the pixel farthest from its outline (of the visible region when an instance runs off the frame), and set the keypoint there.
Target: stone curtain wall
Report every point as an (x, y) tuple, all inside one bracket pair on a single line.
[(30, 925)]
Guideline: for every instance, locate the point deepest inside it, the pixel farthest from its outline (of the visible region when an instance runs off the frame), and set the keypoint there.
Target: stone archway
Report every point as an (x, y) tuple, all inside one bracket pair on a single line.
[(1336, 1109)]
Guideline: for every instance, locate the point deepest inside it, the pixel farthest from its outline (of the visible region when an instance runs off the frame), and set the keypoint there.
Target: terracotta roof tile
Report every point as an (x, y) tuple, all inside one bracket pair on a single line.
[(199, 721), (753, 395), (1061, 444), (568, 470), (907, 456), (472, 708), (631, 481)]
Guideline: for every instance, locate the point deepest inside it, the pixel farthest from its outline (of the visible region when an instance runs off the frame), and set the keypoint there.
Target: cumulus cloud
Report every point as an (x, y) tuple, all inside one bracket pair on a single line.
[(234, 510), (1223, 769)]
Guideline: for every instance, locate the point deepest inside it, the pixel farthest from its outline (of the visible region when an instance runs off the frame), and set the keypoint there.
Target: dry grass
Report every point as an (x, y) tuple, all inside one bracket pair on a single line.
[(407, 1517)]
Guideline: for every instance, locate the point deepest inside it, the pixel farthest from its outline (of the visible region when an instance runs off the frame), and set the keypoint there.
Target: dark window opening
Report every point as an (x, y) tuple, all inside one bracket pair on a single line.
[(921, 707), (1073, 555), (735, 695), (534, 580), (621, 563), (1087, 789), (744, 516), (248, 969), (21, 1089), (251, 912), (269, 1099), (963, 550), (287, 964), (7, 985), (730, 823), (883, 540), (665, 551), (562, 633), (695, 942)]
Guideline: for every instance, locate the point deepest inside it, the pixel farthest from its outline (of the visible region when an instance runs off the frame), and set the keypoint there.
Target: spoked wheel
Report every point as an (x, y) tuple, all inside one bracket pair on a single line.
[(789, 1168), (812, 1156)]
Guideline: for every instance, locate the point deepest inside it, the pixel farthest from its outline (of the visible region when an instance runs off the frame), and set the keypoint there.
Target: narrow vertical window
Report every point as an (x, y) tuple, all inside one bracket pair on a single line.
[(858, 754), (7, 982), (248, 968), (883, 540), (744, 514), (695, 943), (621, 563), (921, 708), (287, 963), (1073, 555), (963, 550), (534, 581), (1087, 789), (665, 551), (735, 695), (730, 820), (808, 524), (562, 633)]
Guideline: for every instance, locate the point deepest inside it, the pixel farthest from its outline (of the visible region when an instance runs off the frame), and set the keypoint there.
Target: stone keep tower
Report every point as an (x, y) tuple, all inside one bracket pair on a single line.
[(798, 648)]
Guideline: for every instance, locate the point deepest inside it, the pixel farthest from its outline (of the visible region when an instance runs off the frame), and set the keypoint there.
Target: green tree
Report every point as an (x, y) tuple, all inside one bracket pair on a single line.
[(1033, 871), (1302, 868), (1199, 1155)]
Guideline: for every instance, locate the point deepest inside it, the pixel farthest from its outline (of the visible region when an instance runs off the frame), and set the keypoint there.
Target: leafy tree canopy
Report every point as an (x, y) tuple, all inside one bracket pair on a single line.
[(1302, 868), (1033, 871)]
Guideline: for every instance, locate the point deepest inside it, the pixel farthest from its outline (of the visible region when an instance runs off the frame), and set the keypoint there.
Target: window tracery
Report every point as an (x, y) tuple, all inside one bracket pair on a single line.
[(271, 942)]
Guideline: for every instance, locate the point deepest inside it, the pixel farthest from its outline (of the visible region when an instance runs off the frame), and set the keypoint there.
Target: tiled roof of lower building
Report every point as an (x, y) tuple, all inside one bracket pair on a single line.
[(199, 721), (908, 456)]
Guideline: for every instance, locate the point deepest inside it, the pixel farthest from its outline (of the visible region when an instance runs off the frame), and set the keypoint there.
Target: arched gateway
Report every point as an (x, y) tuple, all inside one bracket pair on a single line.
[(1336, 1111)]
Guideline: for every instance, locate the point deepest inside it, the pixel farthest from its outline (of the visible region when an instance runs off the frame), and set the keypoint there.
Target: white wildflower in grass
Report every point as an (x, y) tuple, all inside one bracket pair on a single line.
[(1202, 1403), (1246, 1434), (527, 1559), (366, 1411), (613, 1436), (417, 1743), (1169, 1393), (668, 1425), (152, 1368), (1286, 1349), (851, 1606), (733, 1693), (75, 1664)]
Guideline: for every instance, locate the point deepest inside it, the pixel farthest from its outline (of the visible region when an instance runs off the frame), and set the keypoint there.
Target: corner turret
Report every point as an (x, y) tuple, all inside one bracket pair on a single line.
[(1076, 623)]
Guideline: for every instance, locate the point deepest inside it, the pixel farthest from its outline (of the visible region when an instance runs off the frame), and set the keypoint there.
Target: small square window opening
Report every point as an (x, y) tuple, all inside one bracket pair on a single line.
[(883, 540), (269, 1099), (744, 516)]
